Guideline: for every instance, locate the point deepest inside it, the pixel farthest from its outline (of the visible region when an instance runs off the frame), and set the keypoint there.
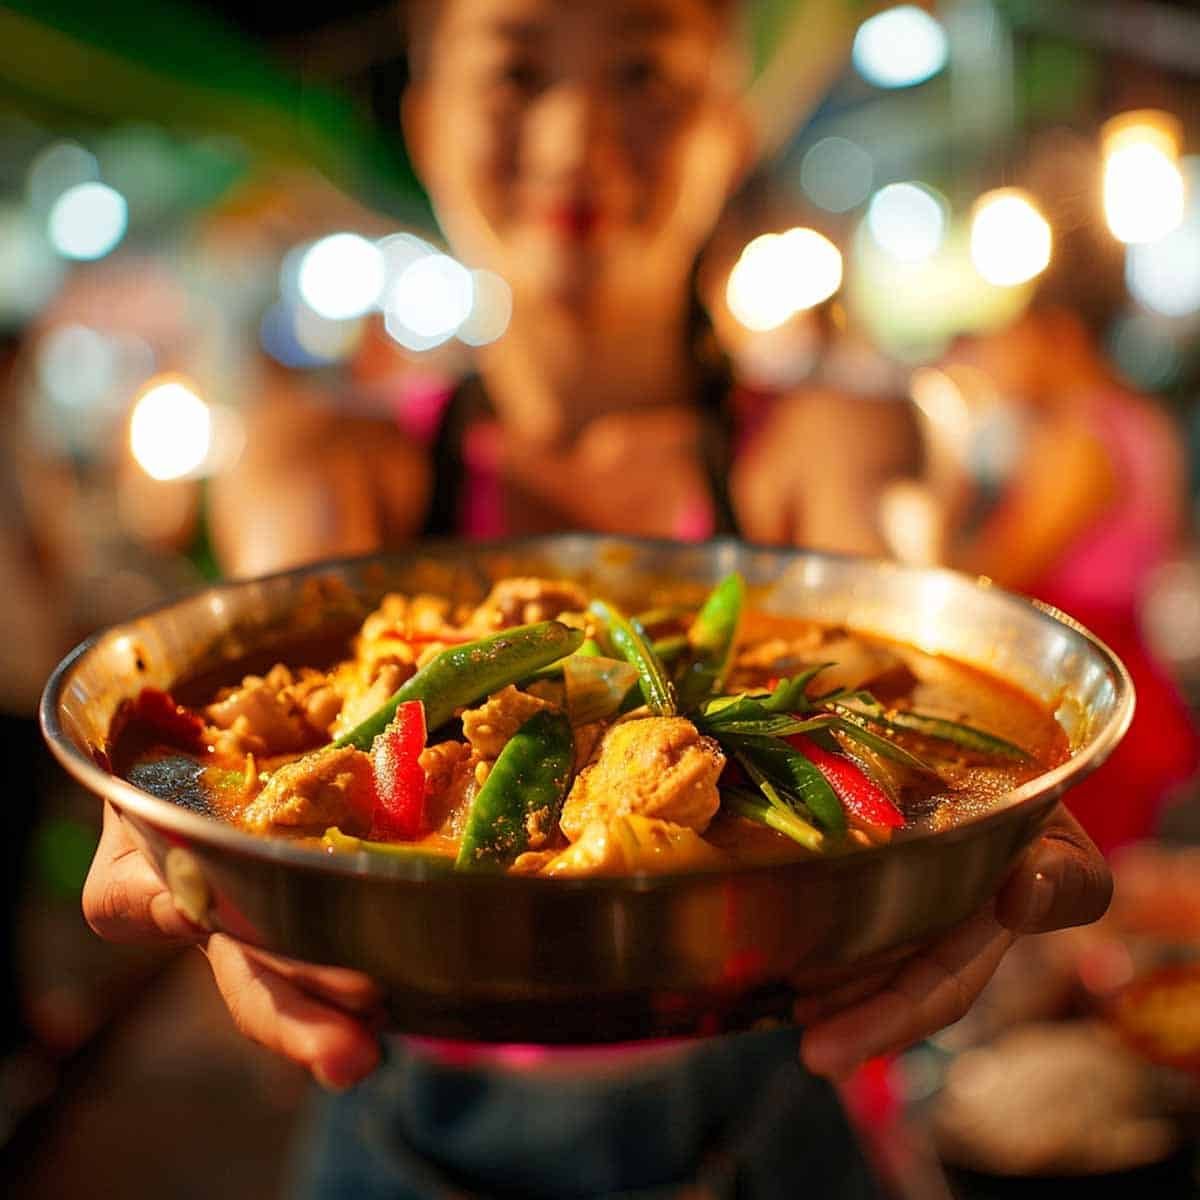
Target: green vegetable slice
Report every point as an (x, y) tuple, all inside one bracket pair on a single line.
[(630, 641), (344, 843), (854, 726), (939, 728), (772, 762), (742, 802), (525, 788), (711, 638), (460, 675)]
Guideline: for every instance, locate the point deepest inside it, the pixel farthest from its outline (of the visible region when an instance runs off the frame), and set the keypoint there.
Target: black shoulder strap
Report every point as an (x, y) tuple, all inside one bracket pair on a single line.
[(466, 403), (716, 410)]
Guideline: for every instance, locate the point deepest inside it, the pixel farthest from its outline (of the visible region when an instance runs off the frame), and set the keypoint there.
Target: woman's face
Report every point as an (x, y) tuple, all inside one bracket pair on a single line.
[(583, 150)]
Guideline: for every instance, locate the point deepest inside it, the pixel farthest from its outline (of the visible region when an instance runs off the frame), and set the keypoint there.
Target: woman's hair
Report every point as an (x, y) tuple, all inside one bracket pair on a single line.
[(418, 20)]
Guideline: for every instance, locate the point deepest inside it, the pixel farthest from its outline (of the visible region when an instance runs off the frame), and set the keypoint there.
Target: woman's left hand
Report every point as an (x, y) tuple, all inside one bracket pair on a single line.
[(1060, 881)]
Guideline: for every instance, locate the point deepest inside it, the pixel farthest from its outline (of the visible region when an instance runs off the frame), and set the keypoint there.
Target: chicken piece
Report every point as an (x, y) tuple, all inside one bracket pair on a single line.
[(523, 601), (399, 616), (629, 843), (587, 740), (532, 862), (451, 780), (401, 632), (277, 713), (320, 701), (656, 767), (489, 726), (372, 656), (334, 787), (362, 698)]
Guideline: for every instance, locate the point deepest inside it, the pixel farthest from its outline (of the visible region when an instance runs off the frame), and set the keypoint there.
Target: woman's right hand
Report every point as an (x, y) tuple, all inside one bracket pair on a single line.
[(324, 1018)]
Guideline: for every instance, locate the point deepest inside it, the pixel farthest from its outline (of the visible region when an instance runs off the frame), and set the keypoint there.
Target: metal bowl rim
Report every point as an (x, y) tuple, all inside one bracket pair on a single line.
[(165, 815)]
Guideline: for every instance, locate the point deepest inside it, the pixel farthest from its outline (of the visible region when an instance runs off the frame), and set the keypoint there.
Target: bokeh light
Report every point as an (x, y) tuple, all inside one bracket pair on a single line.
[(170, 430), (781, 274), (1011, 241), (491, 311), (87, 221), (341, 276), (900, 47), (836, 174), (32, 272), (908, 221), (324, 339), (60, 166), (76, 366), (1165, 275), (399, 252), (1146, 351), (429, 302), (1144, 193)]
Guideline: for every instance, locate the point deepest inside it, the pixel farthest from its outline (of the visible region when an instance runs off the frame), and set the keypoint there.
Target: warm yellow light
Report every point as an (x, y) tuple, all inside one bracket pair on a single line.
[(170, 430), (1010, 240), (1142, 126), (781, 274), (1144, 188)]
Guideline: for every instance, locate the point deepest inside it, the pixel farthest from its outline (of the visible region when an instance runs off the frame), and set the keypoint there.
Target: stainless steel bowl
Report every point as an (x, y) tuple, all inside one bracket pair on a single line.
[(590, 960)]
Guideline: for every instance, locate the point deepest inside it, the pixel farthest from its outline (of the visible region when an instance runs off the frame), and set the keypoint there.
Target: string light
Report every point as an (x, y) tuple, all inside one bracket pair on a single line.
[(1144, 190), (781, 274), (908, 220), (87, 221), (1010, 239), (341, 276), (900, 47), (170, 430)]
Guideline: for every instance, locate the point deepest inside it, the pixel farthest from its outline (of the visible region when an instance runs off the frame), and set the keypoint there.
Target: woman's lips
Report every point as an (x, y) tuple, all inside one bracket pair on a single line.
[(576, 221)]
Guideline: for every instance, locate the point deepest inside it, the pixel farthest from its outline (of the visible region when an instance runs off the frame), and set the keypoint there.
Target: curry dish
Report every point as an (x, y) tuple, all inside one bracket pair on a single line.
[(544, 731)]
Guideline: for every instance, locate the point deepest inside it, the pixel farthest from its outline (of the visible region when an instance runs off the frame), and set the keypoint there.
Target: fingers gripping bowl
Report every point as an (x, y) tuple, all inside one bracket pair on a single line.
[(508, 957)]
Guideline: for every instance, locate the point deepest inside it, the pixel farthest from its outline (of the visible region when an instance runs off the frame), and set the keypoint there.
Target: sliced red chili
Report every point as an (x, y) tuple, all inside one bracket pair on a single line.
[(399, 776), (864, 800), (168, 719)]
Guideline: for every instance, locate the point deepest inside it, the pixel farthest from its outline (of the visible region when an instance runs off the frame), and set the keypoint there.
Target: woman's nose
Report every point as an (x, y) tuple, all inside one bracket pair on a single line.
[(569, 135)]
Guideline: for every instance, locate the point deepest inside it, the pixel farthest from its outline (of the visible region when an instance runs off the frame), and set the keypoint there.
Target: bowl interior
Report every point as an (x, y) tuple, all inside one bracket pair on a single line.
[(1041, 651), (669, 954)]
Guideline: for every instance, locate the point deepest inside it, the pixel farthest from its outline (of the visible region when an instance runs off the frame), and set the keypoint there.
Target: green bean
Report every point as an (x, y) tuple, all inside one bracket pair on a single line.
[(791, 695), (781, 771), (460, 675), (939, 728), (711, 637), (525, 788), (630, 641)]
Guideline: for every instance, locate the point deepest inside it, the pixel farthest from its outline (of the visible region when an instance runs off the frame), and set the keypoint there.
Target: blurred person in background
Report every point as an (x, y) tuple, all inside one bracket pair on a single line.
[(1071, 487), (35, 637), (1092, 503), (583, 152)]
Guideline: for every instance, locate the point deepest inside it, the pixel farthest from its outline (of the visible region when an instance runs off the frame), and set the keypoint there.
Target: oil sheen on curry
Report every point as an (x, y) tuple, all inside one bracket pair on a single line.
[(546, 732)]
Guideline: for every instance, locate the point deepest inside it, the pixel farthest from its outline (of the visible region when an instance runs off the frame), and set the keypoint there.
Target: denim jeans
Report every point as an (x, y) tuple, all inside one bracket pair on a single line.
[(734, 1117)]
